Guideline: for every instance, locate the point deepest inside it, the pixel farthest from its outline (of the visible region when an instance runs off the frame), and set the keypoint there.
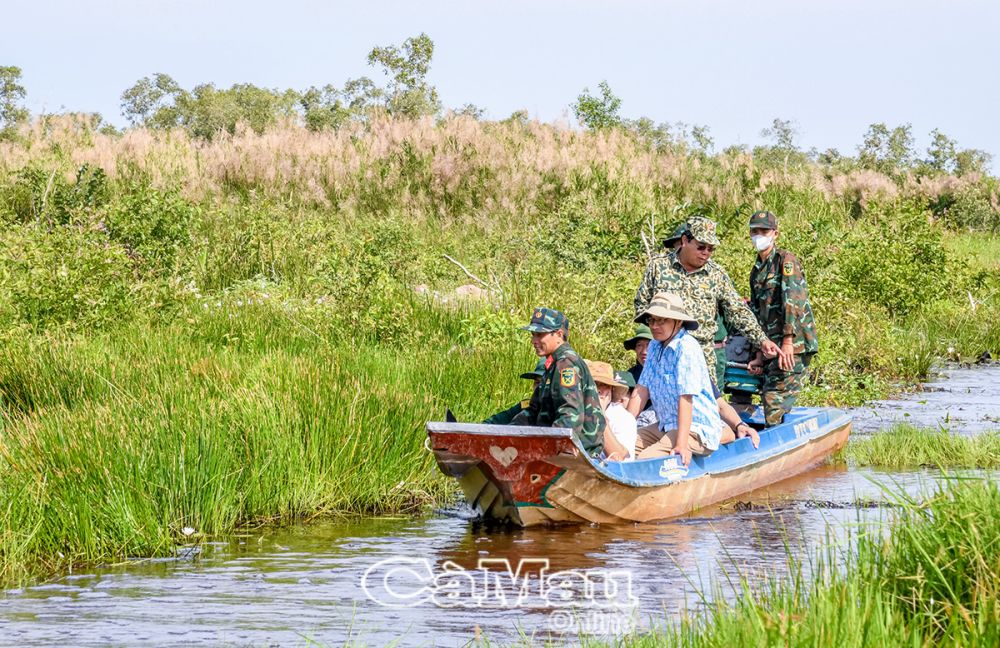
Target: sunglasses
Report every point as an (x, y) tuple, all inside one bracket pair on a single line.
[(701, 247)]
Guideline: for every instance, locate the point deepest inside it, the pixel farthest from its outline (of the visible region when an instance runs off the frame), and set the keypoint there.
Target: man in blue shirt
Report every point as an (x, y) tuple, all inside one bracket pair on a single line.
[(676, 377)]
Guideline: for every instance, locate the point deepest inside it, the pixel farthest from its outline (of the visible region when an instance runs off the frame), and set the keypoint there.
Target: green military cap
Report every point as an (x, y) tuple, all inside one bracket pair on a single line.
[(537, 372), (625, 378), (547, 320), (702, 230), (642, 332), (764, 219), (679, 231)]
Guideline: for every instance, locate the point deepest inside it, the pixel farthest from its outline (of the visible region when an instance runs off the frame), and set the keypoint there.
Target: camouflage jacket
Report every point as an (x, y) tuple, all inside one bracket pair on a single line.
[(779, 298), (567, 397), (707, 292)]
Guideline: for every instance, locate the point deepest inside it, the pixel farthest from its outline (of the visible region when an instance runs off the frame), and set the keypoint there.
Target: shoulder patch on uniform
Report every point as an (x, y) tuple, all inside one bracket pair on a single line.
[(525, 403), (567, 377), (788, 268)]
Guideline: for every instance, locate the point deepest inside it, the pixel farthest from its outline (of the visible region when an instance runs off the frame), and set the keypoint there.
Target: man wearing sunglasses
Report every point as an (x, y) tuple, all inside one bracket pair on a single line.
[(706, 289)]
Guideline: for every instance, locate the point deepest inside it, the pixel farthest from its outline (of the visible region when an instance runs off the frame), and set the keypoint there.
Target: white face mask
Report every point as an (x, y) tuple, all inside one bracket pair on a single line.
[(762, 241)]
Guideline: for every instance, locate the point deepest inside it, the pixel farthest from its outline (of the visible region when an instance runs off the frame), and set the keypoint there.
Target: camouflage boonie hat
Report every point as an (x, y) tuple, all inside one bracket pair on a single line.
[(625, 378), (642, 332), (702, 230), (764, 219), (679, 231), (547, 320), (537, 372)]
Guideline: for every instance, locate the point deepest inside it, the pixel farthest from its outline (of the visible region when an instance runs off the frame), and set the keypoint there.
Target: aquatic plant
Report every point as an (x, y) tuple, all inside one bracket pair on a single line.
[(904, 446), (929, 576)]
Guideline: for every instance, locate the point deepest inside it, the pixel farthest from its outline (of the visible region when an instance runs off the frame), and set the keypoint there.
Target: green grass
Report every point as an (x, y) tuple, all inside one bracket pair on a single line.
[(112, 444), (980, 250), (905, 447), (214, 334), (931, 578)]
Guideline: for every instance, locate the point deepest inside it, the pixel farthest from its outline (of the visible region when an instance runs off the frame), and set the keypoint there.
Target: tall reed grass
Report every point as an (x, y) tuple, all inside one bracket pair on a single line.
[(113, 444), (204, 334), (930, 576)]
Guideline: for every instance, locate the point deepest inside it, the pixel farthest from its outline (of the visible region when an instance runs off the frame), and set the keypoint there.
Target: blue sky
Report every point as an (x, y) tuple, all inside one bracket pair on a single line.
[(832, 67)]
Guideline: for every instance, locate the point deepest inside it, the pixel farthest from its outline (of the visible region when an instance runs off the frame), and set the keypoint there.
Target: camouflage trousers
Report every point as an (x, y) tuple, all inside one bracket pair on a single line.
[(781, 388)]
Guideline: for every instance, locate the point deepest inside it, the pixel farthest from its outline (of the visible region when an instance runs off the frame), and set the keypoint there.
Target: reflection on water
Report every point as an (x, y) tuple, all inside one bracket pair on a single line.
[(303, 584), (963, 400)]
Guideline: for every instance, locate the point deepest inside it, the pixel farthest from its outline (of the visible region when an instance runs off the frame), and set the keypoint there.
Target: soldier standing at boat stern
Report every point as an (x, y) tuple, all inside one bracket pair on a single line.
[(779, 298), (706, 289), (566, 396)]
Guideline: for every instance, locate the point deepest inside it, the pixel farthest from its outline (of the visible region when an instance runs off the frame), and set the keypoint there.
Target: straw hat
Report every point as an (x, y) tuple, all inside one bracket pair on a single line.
[(603, 374), (669, 305)]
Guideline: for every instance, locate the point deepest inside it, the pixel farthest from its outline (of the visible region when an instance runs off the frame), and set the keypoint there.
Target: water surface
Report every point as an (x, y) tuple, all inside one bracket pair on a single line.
[(303, 585)]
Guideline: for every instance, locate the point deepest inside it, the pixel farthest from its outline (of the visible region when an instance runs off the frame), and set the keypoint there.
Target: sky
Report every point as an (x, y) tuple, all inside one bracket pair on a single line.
[(832, 67)]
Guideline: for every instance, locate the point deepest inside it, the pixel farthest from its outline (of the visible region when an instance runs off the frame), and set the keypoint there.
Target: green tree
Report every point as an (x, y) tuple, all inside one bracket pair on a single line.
[(887, 151), (12, 93), (944, 156), (941, 152), (598, 112), (783, 149), (972, 161), (782, 133), (152, 102), (703, 140), (323, 108), (409, 94), (159, 102)]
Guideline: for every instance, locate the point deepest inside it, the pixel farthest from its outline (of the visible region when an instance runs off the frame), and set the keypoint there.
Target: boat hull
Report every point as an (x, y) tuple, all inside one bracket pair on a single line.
[(541, 476)]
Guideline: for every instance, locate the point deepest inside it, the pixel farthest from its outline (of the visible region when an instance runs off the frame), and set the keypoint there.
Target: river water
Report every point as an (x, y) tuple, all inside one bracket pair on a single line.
[(307, 586)]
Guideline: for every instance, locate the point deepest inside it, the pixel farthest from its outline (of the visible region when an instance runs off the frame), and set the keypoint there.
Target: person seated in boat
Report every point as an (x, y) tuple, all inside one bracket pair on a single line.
[(626, 379), (639, 343), (620, 434), (733, 426), (677, 378), (505, 417), (566, 395)]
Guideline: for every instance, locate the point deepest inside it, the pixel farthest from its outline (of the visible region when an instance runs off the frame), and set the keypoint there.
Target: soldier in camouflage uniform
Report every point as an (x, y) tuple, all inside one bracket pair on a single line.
[(506, 416), (706, 288), (671, 243), (779, 298), (566, 396)]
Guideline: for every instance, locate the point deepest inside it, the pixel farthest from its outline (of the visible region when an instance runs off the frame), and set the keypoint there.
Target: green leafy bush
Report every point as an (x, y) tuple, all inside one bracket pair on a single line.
[(151, 225), (63, 275), (899, 261)]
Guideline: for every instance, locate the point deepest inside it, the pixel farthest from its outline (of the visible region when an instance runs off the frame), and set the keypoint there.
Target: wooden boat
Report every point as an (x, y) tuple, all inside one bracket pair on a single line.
[(528, 476)]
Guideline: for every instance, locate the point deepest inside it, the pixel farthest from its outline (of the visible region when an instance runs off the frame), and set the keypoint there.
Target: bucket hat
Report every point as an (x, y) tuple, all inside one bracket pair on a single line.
[(669, 305), (603, 374), (642, 332), (703, 230)]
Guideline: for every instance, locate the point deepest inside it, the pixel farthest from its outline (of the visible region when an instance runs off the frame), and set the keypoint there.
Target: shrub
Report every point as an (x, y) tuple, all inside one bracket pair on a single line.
[(63, 276), (899, 261), (151, 226)]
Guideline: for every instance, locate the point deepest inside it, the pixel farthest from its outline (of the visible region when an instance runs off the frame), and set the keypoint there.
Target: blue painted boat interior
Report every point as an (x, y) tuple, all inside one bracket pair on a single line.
[(800, 426)]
